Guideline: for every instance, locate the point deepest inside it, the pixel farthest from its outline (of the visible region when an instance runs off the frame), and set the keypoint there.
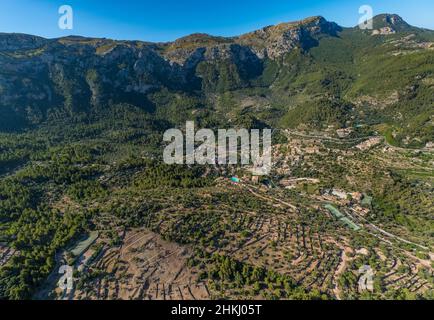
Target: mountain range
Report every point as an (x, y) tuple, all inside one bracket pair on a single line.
[(306, 74)]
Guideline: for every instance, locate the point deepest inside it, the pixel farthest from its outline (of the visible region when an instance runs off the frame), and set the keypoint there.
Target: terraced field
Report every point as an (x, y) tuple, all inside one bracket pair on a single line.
[(262, 229)]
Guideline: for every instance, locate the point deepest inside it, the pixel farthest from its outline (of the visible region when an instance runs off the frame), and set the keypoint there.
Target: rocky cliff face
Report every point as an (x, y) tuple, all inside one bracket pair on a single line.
[(391, 21), (270, 42), (276, 41), (75, 73)]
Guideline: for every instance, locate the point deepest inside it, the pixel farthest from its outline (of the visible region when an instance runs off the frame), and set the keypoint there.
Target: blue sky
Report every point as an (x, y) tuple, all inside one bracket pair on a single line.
[(165, 20)]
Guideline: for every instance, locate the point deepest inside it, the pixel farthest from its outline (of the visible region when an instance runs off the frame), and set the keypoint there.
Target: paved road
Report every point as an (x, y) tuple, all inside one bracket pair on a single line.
[(345, 140)]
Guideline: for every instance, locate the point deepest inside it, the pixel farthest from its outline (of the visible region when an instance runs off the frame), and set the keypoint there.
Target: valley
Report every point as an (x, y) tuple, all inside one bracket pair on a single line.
[(83, 182)]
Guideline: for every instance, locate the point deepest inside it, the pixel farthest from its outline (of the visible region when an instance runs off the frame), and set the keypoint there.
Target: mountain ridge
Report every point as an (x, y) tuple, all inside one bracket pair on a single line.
[(310, 72), (377, 24)]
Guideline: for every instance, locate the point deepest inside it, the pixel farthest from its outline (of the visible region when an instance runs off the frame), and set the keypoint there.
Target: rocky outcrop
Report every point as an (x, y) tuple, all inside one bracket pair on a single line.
[(275, 41), (383, 31), (270, 42)]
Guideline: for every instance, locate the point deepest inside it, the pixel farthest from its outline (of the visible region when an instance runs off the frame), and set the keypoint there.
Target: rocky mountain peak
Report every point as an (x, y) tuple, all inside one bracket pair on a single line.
[(392, 22)]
